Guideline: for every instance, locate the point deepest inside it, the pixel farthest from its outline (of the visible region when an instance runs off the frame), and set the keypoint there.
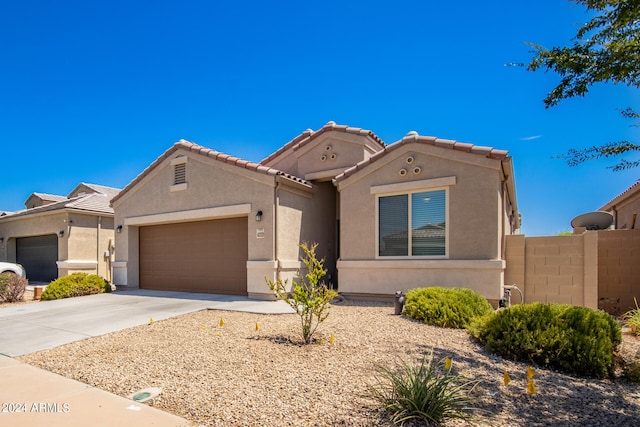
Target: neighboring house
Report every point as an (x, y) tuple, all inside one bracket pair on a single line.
[(625, 208), (58, 235), (420, 212)]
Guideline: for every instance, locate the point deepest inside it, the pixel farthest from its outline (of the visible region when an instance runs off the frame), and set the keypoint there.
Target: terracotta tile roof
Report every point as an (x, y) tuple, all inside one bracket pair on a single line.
[(413, 136), (225, 158), (309, 135), (620, 197)]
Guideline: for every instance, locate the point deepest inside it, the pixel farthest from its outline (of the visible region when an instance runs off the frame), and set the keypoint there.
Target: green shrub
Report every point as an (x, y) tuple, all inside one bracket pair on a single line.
[(424, 392), (632, 319), (75, 285), (310, 297), (632, 372), (445, 307), (576, 340), (12, 287)]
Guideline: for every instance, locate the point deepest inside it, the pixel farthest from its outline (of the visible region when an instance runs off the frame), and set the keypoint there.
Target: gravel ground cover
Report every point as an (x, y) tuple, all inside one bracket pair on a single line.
[(235, 375)]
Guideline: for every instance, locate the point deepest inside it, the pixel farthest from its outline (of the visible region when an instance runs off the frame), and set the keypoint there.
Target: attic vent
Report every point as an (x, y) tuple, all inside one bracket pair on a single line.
[(180, 174)]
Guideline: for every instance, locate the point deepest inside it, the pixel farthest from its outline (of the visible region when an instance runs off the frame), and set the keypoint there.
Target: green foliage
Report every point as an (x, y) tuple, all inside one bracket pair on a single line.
[(445, 307), (425, 392), (310, 296), (12, 287), (605, 49), (576, 340), (632, 372), (565, 233), (74, 285), (632, 319)]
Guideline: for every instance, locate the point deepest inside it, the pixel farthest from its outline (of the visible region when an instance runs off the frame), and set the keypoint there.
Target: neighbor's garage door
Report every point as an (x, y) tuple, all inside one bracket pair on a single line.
[(38, 255), (205, 256)]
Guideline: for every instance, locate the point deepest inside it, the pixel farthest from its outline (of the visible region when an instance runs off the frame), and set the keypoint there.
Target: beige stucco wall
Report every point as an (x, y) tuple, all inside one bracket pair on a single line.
[(554, 269), (625, 211), (214, 190), (474, 230), (308, 219), (618, 270), (77, 248), (332, 151), (597, 269)]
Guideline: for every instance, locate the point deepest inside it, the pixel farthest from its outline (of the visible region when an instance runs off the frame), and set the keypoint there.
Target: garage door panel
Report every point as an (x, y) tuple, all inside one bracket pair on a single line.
[(205, 256), (38, 255)]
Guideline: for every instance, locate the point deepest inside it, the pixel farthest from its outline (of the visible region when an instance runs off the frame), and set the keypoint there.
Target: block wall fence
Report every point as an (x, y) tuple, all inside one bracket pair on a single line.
[(596, 269)]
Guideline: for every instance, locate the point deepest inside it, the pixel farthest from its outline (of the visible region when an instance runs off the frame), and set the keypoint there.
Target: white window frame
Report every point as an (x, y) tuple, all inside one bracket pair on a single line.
[(408, 189)]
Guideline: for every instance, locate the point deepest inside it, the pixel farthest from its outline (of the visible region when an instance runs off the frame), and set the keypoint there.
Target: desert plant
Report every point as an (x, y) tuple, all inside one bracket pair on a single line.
[(632, 319), (445, 307), (310, 296), (74, 285), (12, 287), (426, 392), (576, 340)]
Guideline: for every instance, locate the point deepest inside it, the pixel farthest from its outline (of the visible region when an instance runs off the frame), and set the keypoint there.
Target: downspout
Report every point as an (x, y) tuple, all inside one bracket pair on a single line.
[(98, 228), (276, 203)]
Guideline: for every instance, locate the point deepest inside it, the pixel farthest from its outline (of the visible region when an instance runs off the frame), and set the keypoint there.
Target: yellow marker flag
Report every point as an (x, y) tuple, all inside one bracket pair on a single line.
[(447, 363), (530, 373), (331, 339), (150, 320), (221, 322), (531, 387), (507, 378), (257, 326)]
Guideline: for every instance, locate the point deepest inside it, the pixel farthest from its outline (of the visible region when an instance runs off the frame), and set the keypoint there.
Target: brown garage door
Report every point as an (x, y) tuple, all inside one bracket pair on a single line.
[(204, 256)]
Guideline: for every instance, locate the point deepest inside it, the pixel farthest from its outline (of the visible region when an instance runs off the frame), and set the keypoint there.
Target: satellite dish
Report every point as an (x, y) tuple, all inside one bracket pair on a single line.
[(599, 220)]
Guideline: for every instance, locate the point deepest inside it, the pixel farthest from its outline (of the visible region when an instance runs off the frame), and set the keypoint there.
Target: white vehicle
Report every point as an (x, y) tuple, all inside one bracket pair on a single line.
[(9, 267)]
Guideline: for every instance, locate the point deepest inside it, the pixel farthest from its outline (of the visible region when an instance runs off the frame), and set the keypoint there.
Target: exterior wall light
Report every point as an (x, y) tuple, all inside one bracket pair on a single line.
[(1, 239), (61, 233), (259, 216), (119, 229)]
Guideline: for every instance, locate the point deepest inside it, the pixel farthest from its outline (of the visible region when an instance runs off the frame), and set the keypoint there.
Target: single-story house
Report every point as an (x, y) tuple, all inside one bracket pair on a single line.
[(625, 208), (420, 212), (58, 235)]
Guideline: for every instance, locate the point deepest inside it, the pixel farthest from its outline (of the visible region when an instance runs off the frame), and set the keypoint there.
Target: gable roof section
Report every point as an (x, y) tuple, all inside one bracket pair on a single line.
[(629, 192), (207, 152), (49, 197), (110, 192), (91, 203), (412, 137), (309, 135)]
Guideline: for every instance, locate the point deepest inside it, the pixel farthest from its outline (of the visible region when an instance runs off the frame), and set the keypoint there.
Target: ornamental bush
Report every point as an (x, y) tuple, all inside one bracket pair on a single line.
[(445, 307), (575, 340), (75, 285), (12, 287), (310, 296)]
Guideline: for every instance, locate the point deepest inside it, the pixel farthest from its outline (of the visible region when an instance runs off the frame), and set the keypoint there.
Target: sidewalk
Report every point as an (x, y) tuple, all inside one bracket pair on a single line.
[(34, 397)]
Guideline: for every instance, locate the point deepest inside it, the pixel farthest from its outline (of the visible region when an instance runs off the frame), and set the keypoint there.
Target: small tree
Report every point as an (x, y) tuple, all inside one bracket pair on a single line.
[(309, 296)]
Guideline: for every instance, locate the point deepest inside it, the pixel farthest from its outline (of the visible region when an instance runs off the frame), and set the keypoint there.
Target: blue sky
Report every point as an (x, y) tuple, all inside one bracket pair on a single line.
[(95, 91)]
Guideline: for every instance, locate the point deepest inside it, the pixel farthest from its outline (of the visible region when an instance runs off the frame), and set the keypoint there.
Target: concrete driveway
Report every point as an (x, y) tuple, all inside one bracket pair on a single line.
[(39, 326)]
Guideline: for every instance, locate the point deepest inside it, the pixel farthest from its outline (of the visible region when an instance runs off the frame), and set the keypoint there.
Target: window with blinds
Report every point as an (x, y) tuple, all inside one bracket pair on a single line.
[(412, 224)]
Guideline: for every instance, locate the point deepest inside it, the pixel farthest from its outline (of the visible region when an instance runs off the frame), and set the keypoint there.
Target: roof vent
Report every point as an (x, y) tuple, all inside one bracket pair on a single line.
[(331, 123), (412, 133)]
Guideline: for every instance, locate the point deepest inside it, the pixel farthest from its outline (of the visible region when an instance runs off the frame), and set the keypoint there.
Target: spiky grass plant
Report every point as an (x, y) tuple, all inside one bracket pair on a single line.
[(422, 391), (632, 319)]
